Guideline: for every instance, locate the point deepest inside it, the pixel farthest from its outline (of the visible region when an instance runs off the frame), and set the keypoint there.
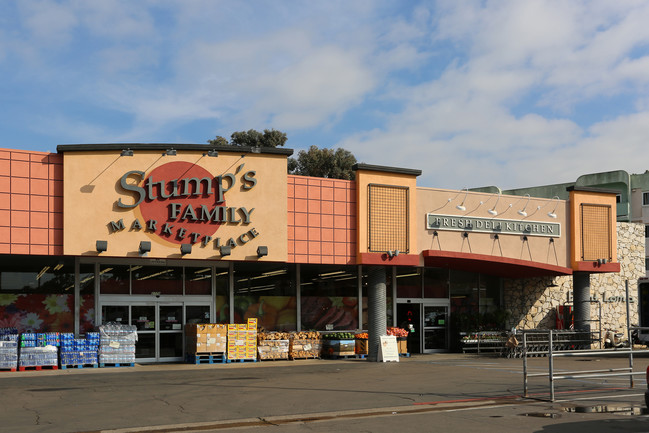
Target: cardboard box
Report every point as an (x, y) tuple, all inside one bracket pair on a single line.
[(339, 347), (402, 343), (362, 347)]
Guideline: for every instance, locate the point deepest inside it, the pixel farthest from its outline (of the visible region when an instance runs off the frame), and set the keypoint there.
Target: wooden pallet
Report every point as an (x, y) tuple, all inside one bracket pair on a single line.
[(116, 364), (205, 358), (243, 360), (38, 367), (66, 366)]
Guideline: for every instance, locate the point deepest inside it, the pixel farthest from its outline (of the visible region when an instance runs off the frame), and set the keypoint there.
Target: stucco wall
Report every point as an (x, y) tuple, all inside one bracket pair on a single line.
[(532, 302)]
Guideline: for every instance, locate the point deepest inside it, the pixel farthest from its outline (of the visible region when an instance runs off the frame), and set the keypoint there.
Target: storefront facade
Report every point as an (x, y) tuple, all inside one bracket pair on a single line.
[(161, 235)]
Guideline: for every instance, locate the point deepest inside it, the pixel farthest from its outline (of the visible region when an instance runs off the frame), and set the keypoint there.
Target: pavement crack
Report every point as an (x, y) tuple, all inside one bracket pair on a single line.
[(36, 413), (265, 421)]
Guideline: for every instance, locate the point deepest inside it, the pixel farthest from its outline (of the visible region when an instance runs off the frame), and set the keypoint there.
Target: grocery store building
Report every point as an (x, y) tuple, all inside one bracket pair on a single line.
[(162, 235)]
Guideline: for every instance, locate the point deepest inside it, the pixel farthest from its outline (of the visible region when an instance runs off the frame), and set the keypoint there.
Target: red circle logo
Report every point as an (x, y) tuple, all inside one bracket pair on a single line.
[(177, 204)]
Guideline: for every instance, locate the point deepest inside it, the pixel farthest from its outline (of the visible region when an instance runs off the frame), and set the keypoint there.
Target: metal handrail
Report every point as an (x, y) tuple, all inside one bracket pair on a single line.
[(626, 371)]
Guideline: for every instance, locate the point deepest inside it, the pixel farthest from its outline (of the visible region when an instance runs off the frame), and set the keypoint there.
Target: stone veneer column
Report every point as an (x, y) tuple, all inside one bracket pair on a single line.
[(581, 300)]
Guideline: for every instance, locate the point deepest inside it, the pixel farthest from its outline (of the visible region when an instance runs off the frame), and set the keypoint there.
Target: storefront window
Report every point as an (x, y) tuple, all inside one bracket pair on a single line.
[(87, 292), (435, 283), (157, 279), (198, 281), (265, 291), (464, 292), (114, 279), (408, 282), (329, 297), (222, 296), (37, 294)]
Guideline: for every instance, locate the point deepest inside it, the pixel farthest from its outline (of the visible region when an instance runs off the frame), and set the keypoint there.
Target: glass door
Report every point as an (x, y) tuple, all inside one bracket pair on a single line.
[(435, 335), (159, 326)]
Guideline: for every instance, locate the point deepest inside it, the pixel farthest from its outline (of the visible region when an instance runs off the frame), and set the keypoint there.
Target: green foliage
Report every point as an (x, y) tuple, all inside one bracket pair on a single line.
[(252, 138), (323, 163), (328, 163)]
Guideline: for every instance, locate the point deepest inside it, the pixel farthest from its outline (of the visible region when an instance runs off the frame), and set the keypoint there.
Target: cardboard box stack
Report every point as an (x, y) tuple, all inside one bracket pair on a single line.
[(242, 341), (205, 338)]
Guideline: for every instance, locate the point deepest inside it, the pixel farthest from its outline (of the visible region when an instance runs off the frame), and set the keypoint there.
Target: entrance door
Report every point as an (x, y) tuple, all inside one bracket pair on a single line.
[(159, 326), (435, 328), (427, 323)]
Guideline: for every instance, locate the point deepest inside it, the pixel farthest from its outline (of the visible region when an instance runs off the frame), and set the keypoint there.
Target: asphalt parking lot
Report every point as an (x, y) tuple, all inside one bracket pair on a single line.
[(453, 391)]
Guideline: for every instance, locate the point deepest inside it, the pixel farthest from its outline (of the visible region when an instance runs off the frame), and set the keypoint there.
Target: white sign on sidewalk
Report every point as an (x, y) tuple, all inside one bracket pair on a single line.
[(388, 351)]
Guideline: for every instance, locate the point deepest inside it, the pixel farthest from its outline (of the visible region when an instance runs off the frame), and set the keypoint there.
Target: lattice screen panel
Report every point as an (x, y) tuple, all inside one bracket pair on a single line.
[(388, 218), (595, 232)]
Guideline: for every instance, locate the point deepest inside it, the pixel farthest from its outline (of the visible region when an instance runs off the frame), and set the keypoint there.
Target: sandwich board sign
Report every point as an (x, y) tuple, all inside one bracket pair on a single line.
[(388, 350)]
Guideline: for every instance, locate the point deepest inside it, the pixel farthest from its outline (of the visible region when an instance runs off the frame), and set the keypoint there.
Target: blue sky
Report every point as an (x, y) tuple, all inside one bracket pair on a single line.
[(473, 93)]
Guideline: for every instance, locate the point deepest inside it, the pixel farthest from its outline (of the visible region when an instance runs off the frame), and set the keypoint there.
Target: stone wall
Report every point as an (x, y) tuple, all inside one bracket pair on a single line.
[(533, 302)]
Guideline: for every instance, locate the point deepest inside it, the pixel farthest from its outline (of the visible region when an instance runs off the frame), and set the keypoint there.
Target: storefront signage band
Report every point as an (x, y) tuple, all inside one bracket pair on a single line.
[(491, 225)]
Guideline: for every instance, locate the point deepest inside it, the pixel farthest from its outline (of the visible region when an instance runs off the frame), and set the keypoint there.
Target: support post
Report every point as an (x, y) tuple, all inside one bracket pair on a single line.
[(376, 310), (628, 334), (525, 394), (551, 366)]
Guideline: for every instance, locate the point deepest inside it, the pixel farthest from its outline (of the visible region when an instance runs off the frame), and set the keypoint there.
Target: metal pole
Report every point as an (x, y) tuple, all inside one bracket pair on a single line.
[(628, 334), (525, 364), (551, 366)]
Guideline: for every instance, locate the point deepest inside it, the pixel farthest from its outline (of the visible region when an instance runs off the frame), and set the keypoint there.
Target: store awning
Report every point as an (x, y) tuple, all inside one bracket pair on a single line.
[(492, 265)]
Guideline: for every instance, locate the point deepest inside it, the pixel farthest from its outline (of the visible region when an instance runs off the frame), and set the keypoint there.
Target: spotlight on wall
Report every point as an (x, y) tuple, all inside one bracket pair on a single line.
[(101, 246), (225, 250), (393, 253), (522, 212), (465, 234), (552, 213), (145, 247), (212, 153), (126, 152), (185, 249), (262, 251), (170, 152)]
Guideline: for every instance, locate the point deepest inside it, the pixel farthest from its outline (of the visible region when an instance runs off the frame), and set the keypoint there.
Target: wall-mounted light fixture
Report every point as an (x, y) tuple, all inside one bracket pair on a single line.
[(170, 152), (225, 250), (126, 152), (212, 153), (522, 212), (552, 213), (393, 253), (101, 246), (461, 205), (185, 249), (145, 247), (262, 251), (465, 234), (493, 210)]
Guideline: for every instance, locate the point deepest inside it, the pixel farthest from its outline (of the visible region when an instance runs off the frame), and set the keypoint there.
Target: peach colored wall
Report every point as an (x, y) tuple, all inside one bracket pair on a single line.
[(92, 189), (586, 197), (366, 177), (31, 202), (321, 220), (536, 249)]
